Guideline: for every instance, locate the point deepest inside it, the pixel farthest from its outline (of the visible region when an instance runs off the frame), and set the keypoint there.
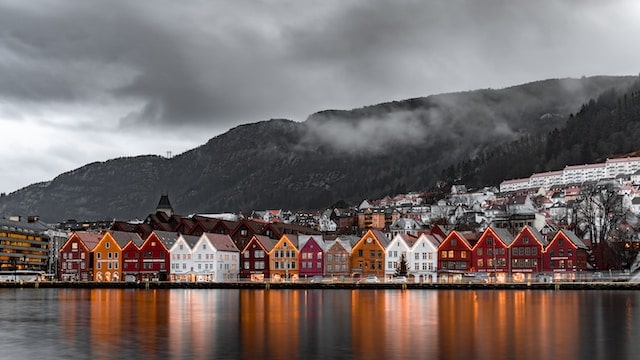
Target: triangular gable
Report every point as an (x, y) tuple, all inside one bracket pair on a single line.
[(88, 240), (446, 243), (264, 242), (429, 239), (532, 233), (570, 237)]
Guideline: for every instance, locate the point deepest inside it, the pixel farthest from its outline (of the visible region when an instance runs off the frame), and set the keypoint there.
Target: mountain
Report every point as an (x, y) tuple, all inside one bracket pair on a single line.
[(334, 155)]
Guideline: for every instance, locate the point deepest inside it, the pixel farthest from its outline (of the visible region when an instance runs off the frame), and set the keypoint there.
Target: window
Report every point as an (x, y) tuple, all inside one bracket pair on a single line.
[(74, 246), (454, 242), (107, 244), (443, 254), (479, 252), (463, 254), (450, 254), (360, 253), (99, 255), (514, 251), (525, 240), (480, 263)]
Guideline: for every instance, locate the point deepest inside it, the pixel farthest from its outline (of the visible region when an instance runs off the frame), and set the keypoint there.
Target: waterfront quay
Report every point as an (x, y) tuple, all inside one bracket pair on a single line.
[(149, 285)]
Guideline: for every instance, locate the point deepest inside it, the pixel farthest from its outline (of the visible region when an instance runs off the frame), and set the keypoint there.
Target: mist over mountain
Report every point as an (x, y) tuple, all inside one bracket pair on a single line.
[(334, 155)]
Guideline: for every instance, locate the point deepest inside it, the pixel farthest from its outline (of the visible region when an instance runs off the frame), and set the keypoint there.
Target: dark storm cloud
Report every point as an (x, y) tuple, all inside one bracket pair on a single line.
[(236, 62)]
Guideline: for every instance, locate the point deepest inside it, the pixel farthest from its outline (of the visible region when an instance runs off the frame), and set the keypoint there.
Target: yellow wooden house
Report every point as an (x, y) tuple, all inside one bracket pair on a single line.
[(283, 259)]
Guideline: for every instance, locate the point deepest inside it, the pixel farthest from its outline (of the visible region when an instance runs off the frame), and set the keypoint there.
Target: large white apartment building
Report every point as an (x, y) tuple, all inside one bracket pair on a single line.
[(575, 174)]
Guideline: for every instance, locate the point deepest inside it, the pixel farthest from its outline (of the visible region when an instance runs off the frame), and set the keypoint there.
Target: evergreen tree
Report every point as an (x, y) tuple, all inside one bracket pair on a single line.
[(402, 268)]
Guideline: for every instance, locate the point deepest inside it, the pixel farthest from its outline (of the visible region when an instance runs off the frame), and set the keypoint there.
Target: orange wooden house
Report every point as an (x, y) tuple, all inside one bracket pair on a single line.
[(107, 254), (368, 255)]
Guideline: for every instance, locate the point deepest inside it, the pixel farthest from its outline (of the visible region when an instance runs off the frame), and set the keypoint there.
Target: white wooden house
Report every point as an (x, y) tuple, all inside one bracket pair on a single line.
[(226, 257), (423, 258), (180, 255), (399, 246)]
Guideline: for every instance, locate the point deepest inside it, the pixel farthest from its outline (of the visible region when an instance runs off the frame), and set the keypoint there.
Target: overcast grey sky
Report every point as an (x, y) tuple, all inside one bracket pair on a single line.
[(84, 81)]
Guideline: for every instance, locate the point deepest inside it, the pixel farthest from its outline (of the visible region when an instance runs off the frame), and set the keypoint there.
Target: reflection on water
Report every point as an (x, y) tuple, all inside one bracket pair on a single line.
[(318, 324)]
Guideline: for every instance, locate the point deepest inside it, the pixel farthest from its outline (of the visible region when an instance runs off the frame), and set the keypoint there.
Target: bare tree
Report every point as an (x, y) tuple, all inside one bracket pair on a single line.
[(600, 216)]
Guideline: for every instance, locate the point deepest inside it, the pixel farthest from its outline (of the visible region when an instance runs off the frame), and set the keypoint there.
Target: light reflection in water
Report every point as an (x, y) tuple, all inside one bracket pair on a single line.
[(318, 324)]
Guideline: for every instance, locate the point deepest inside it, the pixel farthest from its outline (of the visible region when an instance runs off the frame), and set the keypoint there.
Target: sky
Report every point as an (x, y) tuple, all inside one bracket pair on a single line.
[(86, 81)]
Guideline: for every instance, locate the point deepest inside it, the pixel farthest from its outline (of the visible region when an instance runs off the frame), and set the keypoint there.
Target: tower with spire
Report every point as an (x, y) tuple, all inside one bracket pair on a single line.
[(164, 205)]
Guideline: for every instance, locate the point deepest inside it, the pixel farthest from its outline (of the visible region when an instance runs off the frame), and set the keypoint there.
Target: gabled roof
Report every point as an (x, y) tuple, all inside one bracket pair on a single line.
[(266, 242), (535, 233), (190, 240), (409, 240), (464, 237), (167, 238), (221, 242), (88, 238), (573, 238), (293, 238), (382, 238), (429, 238), (504, 235), (123, 238), (304, 239)]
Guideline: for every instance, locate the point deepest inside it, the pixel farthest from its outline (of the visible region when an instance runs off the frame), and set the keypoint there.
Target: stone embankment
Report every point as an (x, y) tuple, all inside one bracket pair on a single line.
[(348, 286)]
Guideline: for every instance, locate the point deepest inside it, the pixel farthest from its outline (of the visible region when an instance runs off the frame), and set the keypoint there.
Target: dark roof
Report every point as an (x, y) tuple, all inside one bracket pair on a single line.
[(164, 203), (123, 238), (168, 238), (221, 242)]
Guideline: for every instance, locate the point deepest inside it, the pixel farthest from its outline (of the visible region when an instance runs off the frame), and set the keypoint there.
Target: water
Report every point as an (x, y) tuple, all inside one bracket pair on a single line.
[(318, 324)]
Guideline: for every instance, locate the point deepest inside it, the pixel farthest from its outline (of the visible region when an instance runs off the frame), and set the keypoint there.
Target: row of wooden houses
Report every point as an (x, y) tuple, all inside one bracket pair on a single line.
[(430, 256)]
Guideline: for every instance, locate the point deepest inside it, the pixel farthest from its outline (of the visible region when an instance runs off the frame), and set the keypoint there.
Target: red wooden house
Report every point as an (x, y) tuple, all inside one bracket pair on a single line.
[(526, 254), (131, 261), (565, 256), (491, 254), (255, 258), (76, 256), (155, 259), (455, 256), (311, 255)]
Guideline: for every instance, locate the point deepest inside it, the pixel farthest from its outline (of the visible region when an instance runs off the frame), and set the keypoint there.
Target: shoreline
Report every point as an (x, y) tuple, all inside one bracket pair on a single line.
[(153, 285)]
